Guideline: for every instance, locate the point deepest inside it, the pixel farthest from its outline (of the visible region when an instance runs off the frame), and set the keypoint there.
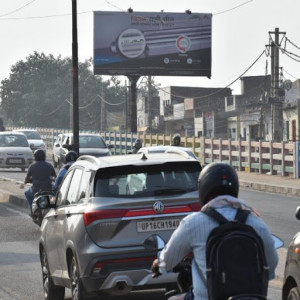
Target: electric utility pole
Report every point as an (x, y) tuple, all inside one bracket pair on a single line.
[(75, 77), (277, 112)]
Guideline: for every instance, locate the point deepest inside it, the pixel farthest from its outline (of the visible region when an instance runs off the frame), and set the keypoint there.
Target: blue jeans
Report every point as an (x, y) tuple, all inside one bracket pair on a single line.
[(29, 197)]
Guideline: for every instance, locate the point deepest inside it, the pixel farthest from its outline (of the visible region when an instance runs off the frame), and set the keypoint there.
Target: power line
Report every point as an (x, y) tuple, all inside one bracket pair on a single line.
[(287, 39), (113, 104), (45, 17), (18, 9), (213, 93), (230, 9), (284, 70)]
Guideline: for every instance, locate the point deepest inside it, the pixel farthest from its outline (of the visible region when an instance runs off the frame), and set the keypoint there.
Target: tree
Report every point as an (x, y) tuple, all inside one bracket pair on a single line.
[(38, 93)]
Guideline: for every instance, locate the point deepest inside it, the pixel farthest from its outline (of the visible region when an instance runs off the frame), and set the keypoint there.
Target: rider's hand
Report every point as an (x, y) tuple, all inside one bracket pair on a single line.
[(155, 268)]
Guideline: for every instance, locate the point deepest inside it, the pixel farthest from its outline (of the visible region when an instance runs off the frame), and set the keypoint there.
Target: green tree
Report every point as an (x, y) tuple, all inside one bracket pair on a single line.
[(38, 93)]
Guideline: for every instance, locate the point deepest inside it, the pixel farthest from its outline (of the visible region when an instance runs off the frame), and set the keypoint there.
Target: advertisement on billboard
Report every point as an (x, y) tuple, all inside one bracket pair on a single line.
[(152, 43)]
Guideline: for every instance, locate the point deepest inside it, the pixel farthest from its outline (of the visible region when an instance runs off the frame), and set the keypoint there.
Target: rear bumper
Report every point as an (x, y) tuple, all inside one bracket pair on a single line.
[(122, 282)]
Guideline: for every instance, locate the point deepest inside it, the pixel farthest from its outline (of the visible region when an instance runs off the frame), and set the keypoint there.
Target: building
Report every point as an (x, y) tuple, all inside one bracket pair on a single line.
[(193, 110)]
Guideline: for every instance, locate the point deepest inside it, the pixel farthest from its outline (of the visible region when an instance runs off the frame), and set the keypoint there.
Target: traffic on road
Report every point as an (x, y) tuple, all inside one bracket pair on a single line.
[(23, 260)]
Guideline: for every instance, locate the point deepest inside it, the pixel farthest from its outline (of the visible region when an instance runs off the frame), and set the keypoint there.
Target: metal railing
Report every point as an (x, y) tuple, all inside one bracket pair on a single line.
[(249, 156)]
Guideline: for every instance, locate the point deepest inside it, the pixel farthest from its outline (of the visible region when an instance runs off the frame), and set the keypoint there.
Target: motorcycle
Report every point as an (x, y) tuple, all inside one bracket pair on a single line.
[(184, 279), (38, 211)]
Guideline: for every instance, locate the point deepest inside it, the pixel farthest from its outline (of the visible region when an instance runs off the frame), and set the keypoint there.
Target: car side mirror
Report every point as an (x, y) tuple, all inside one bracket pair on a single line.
[(110, 146), (56, 145), (298, 212)]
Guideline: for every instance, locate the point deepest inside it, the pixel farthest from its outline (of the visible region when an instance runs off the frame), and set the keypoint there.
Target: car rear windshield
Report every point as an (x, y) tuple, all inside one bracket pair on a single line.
[(91, 142), (32, 135), (11, 140), (143, 181)]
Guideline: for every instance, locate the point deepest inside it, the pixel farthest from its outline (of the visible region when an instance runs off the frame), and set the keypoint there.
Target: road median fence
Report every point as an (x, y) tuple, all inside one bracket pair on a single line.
[(250, 156)]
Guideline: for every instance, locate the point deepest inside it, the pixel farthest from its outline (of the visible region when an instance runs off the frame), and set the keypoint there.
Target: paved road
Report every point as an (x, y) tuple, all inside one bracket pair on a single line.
[(19, 261)]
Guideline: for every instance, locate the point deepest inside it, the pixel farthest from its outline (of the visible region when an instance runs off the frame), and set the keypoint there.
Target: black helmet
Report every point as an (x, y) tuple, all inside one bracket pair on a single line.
[(176, 139), (71, 156), (217, 179), (138, 144), (39, 154)]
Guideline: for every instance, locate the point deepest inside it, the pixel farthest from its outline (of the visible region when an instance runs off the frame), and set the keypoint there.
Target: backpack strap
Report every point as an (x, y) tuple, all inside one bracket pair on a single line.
[(211, 212), (242, 215)]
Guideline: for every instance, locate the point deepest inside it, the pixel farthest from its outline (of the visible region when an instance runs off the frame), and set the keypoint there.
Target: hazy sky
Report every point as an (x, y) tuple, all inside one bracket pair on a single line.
[(240, 31)]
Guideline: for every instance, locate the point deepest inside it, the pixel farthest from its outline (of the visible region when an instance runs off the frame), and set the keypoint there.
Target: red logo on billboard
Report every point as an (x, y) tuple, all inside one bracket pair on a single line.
[(183, 43)]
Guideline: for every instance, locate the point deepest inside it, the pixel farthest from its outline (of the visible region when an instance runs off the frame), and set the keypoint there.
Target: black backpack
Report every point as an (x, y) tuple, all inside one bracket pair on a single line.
[(235, 258)]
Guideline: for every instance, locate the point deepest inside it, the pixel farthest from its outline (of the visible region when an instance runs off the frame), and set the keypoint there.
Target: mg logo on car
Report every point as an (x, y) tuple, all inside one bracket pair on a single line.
[(158, 207)]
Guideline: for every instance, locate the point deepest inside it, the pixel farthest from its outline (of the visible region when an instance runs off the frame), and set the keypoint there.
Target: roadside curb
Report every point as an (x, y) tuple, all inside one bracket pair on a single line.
[(267, 187), (8, 194)]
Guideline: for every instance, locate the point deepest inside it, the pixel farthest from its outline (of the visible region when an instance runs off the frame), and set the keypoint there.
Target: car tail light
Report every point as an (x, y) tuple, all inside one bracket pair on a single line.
[(99, 265), (95, 215), (92, 216)]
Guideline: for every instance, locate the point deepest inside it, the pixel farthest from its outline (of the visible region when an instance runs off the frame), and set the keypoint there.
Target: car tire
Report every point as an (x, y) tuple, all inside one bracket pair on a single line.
[(294, 294), (77, 288), (51, 291)]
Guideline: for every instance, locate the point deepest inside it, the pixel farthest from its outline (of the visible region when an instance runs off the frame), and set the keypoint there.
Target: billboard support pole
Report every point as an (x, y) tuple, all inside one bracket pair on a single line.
[(133, 96)]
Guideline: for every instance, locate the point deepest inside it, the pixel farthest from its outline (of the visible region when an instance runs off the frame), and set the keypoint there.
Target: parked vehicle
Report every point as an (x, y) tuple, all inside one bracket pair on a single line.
[(95, 238), (291, 285), (89, 144), (34, 139), (40, 200), (14, 150)]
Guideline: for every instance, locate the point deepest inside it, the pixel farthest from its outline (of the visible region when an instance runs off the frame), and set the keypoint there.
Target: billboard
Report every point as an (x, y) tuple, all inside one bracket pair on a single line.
[(152, 43)]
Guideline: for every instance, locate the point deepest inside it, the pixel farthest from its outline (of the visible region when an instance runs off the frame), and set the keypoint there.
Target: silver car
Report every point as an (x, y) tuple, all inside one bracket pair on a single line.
[(97, 235), (34, 139), (14, 150)]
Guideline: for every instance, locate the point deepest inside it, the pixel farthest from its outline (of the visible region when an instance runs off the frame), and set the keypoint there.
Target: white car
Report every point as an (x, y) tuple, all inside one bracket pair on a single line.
[(14, 151), (89, 144), (34, 139), (167, 149)]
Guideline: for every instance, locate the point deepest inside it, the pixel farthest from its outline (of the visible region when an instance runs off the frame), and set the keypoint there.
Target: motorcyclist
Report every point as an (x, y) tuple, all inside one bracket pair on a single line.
[(137, 146), (176, 140), (41, 174), (218, 188), (70, 158)]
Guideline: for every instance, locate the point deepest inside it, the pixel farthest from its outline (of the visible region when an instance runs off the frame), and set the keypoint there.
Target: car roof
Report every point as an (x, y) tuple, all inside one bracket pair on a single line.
[(132, 159), (11, 133), (22, 130), (162, 149)]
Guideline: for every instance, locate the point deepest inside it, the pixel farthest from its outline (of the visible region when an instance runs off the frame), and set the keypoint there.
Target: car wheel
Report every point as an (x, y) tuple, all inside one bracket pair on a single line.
[(51, 292), (77, 288), (294, 294)]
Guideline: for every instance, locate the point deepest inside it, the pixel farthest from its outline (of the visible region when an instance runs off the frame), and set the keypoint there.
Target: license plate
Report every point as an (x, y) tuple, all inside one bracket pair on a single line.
[(158, 225), (15, 161)]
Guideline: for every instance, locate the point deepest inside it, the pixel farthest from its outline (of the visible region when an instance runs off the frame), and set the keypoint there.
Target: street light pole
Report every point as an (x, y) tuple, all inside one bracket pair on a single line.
[(75, 77)]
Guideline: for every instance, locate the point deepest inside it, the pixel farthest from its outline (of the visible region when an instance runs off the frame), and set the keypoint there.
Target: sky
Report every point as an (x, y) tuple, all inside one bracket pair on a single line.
[(240, 33)]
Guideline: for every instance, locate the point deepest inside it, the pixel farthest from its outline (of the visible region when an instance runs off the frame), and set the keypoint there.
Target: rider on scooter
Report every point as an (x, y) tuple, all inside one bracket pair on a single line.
[(70, 158), (40, 174), (218, 188)]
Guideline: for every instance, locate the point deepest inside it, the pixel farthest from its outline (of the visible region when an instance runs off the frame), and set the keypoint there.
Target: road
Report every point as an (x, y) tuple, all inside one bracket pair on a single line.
[(20, 273)]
